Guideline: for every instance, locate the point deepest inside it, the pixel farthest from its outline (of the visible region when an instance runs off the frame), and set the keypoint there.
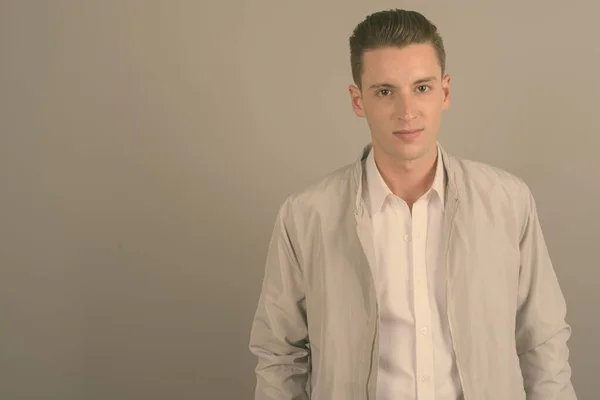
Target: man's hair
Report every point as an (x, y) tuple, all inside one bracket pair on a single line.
[(392, 28)]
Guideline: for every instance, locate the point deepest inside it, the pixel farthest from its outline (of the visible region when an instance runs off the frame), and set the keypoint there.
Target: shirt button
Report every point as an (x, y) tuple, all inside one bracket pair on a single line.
[(424, 330), (425, 378), (406, 238)]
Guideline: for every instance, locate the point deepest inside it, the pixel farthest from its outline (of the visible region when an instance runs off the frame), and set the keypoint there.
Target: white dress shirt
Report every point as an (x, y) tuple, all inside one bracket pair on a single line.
[(416, 357)]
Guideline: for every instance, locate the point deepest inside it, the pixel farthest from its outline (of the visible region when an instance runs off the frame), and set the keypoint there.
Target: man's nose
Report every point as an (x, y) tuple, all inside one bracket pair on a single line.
[(405, 108)]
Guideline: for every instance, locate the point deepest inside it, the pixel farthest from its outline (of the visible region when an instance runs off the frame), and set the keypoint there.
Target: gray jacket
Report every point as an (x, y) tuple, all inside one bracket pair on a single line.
[(315, 331)]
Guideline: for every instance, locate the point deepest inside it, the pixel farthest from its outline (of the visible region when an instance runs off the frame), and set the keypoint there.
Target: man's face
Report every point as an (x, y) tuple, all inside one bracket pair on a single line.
[(402, 97)]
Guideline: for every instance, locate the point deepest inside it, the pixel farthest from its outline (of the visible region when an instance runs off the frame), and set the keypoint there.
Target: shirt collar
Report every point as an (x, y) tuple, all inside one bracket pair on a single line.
[(378, 190)]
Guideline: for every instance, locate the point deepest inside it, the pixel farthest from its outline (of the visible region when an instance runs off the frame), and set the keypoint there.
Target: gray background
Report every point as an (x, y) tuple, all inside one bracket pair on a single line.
[(146, 145)]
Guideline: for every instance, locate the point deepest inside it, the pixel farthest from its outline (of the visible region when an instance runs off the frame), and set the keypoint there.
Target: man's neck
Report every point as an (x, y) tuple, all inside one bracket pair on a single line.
[(408, 180)]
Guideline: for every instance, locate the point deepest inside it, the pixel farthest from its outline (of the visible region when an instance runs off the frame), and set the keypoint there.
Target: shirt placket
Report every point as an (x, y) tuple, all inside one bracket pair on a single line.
[(424, 342)]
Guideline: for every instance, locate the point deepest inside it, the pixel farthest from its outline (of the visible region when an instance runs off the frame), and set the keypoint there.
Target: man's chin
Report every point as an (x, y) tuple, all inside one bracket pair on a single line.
[(411, 152), (405, 152)]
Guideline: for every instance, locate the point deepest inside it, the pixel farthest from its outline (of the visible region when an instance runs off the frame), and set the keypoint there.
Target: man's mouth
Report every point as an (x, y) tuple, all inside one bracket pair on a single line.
[(407, 133)]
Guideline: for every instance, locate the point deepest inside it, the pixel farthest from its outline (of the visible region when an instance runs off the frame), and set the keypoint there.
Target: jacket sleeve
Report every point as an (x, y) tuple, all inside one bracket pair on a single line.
[(279, 336), (541, 330)]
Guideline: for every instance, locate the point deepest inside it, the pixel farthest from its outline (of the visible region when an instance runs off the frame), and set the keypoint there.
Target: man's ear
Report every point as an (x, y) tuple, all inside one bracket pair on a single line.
[(446, 91), (357, 102)]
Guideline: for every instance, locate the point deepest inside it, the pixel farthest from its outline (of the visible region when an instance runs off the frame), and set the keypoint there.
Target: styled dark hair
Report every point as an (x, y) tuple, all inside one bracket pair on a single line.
[(392, 28)]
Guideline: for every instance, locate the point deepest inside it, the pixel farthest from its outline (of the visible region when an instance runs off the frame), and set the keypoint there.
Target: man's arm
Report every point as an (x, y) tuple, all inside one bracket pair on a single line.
[(279, 334), (541, 330)]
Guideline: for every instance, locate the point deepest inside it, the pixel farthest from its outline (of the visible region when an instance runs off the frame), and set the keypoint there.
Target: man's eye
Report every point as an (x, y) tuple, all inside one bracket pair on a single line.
[(422, 88), (384, 92)]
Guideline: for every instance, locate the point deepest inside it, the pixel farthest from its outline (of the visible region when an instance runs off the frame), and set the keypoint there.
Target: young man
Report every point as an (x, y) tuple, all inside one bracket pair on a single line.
[(411, 273)]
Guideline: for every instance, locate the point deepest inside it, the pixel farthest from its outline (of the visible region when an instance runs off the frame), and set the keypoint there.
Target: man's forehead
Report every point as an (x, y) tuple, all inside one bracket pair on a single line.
[(394, 64), (393, 83), (418, 50), (401, 76)]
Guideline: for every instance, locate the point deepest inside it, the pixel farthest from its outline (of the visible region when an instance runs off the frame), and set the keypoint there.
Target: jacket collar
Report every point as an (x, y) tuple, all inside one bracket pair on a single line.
[(378, 191), (450, 164)]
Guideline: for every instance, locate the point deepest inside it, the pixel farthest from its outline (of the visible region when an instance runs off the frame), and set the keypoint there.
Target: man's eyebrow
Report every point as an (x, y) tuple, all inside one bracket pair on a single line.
[(425, 80), (384, 85)]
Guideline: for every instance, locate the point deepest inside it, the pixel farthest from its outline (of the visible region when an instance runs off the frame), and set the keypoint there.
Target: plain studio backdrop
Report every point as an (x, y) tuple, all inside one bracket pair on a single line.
[(145, 147)]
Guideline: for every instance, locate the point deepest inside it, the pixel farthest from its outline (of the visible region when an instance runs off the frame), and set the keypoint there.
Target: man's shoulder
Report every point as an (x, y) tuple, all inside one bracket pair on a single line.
[(487, 178), (495, 174), (334, 189), (332, 185)]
